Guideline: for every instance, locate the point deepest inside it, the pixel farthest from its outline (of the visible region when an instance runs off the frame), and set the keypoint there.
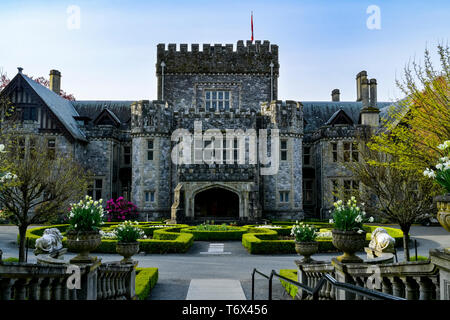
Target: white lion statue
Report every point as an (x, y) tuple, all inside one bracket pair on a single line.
[(50, 241), (381, 241)]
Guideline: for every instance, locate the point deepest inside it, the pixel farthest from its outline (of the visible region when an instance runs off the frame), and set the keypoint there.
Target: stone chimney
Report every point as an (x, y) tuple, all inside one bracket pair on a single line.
[(365, 92), (55, 81), (370, 114), (359, 78), (335, 95), (373, 93)]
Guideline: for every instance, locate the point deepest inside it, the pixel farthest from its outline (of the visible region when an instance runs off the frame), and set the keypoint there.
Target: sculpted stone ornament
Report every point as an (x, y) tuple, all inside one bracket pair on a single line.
[(381, 242), (50, 241), (49, 248)]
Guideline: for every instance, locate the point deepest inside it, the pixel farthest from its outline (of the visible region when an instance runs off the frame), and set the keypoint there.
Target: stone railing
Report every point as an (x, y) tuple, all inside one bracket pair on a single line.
[(26, 281), (115, 282), (410, 280), (421, 280), (310, 275)]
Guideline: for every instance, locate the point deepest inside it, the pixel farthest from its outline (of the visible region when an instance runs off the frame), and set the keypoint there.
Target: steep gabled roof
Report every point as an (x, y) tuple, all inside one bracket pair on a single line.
[(339, 117), (61, 108), (317, 113), (92, 109), (109, 114)]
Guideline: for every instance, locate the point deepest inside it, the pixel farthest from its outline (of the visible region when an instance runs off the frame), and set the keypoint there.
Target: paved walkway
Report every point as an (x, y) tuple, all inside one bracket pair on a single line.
[(215, 289)]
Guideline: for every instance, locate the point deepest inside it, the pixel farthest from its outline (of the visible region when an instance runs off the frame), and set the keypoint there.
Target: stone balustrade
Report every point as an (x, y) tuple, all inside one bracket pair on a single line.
[(26, 281), (310, 275), (410, 280), (115, 282)]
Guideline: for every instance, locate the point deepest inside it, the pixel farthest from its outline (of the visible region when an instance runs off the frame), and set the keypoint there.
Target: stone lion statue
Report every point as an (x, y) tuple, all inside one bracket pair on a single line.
[(50, 241), (381, 241)]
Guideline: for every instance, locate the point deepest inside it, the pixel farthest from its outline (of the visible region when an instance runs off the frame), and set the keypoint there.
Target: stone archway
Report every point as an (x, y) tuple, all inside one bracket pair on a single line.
[(216, 202)]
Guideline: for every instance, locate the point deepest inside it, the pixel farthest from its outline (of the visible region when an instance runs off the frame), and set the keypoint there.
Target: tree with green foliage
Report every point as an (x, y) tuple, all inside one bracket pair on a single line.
[(400, 195), (421, 121), (42, 187)]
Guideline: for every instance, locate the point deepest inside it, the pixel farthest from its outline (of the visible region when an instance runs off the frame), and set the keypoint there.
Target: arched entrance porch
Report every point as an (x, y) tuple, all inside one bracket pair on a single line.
[(216, 202)]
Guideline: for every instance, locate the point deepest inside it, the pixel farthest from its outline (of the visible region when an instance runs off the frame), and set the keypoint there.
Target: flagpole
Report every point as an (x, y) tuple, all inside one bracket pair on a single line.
[(252, 25)]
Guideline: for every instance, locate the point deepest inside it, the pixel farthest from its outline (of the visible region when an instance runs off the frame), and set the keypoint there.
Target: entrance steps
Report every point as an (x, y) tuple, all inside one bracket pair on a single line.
[(215, 289)]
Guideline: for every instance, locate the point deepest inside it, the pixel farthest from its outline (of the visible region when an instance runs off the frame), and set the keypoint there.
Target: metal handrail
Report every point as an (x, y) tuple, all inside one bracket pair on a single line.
[(326, 278)]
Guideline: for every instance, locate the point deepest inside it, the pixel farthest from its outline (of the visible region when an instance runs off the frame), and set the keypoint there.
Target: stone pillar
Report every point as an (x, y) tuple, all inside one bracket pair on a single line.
[(441, 259), (88, 289), (341, 275), (130, 284)]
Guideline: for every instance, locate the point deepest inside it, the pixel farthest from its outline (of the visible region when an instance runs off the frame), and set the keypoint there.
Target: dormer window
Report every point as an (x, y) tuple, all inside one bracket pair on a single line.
[(217, 100)]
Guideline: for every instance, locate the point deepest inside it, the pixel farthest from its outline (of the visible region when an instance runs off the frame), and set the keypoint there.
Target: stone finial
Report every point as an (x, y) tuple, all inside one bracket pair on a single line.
[(20, 69)]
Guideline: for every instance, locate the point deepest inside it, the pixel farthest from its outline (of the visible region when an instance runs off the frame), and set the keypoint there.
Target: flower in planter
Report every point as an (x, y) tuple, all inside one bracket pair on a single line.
[(442, 172), (128, 231), (303, 232), (349, 216), (86, 215)]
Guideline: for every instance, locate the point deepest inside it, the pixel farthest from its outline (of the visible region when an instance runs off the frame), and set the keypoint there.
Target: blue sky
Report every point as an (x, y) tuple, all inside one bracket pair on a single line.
[(322, 44)]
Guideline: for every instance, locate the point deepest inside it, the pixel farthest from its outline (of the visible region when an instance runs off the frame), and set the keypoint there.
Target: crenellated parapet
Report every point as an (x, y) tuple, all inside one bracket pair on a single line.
[(284, 115), (232, 119), (151, 117), (249, 58)]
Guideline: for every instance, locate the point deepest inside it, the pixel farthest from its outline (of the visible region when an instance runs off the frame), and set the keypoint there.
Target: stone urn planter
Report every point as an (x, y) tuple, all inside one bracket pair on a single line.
[(83, 242), (443, 215), (306, 249), (127, 250), (348, 242)]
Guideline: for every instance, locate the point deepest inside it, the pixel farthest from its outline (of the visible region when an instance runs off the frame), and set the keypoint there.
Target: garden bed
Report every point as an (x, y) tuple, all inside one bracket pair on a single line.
[(267, 241), (164, 239), (230, 233)]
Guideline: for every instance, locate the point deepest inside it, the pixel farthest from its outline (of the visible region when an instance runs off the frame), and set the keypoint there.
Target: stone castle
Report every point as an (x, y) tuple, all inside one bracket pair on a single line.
[(128, 144)]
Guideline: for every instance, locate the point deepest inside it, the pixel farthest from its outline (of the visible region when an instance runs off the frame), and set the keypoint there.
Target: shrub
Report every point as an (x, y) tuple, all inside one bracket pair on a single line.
[(225, 233), (265, 241), (11, 259), (121, 210), (290, 288), (167, 240), (146, 279), (419, 258)]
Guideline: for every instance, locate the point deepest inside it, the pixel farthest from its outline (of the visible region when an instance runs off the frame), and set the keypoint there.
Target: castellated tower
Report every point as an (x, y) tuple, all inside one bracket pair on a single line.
[(215, 97), (249, 73)]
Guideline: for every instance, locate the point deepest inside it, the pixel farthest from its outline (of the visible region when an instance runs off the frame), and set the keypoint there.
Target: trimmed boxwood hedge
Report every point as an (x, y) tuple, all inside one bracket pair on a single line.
[(265, 241), (146, 279), (290, 288), (165, 240), (235, 233)]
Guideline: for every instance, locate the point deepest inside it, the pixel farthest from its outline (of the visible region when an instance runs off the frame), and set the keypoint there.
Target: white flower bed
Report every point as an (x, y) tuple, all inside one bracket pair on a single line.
[(268, 226)]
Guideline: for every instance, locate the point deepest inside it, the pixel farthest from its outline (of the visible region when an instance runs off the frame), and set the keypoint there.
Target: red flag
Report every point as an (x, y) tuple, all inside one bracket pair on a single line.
[(252, 26)]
